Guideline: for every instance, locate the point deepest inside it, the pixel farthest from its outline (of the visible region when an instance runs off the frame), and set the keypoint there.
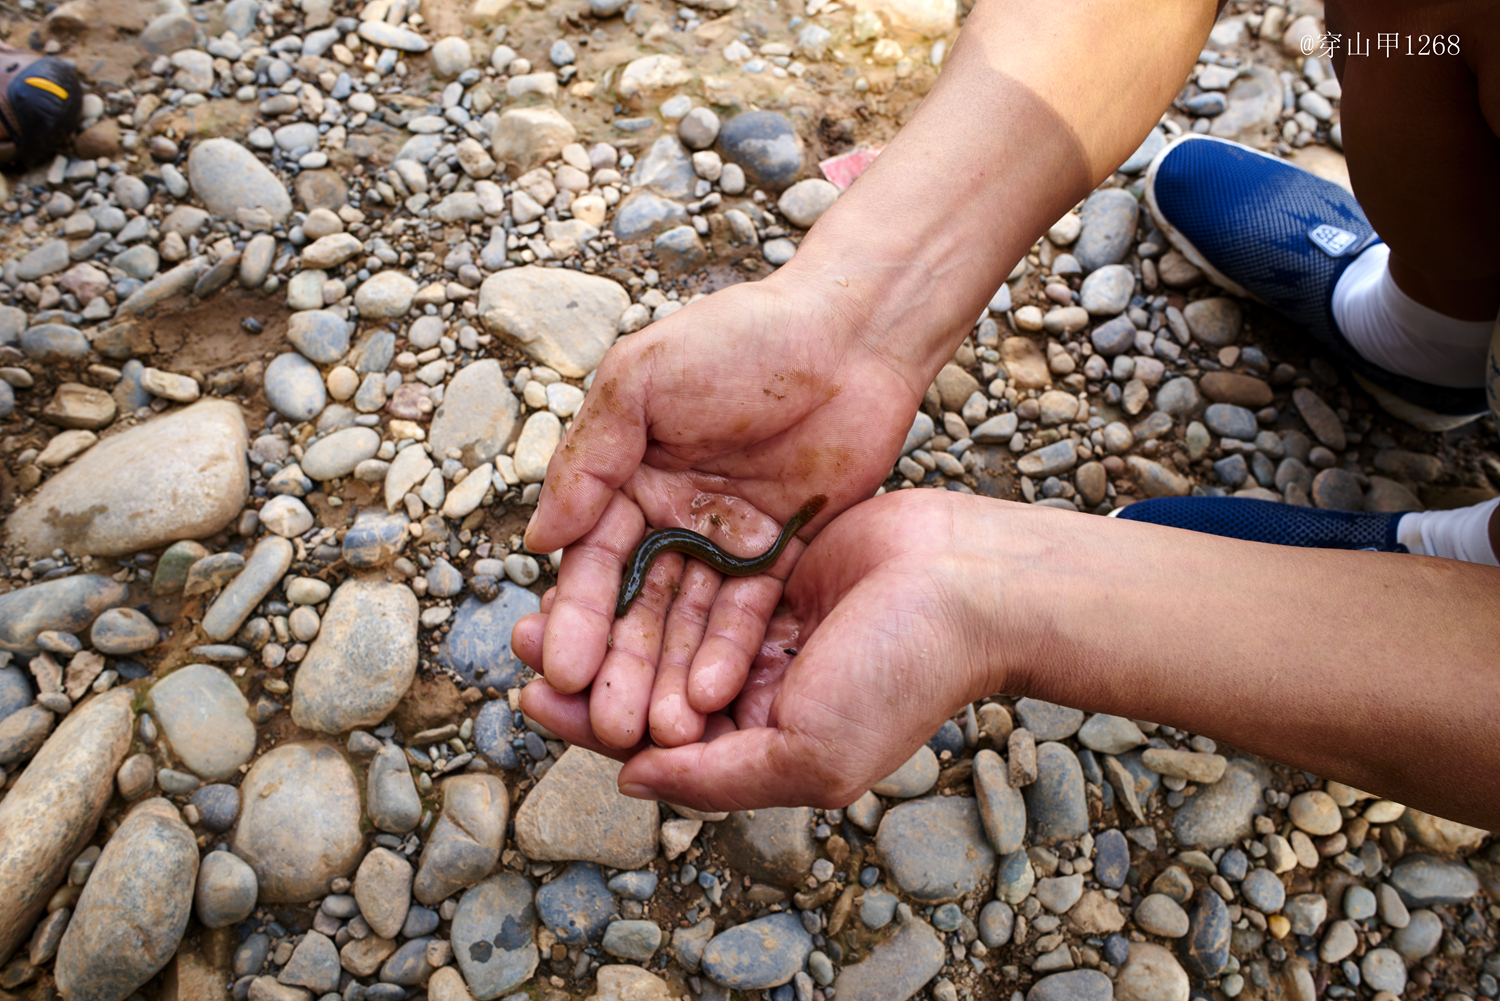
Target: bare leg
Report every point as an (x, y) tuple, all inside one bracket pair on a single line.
[(1420, 132)]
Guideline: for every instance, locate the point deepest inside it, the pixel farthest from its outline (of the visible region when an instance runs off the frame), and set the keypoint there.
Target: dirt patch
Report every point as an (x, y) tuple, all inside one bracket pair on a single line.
[(433, 701)]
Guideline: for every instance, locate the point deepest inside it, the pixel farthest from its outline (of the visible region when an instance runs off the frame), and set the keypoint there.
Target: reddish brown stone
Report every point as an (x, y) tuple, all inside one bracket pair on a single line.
[(1230, 387)]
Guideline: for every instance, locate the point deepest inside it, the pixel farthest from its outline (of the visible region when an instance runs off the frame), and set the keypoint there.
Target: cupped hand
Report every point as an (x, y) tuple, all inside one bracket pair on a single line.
[(892, 619), (724, 418)]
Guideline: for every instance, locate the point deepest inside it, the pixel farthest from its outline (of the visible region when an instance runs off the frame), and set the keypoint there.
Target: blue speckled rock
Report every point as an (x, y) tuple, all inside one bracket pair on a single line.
[(494, 935), (948, 738), (419, 921), (1233, 865), (408, 965), (1111, 858), (294, 386), (375, 352), (493, 729), (54, 343), (319, 334), (577, 905), (15, 691), (477, 646), (642, 213), (375, 538), (218, 806), (765, 145), (635, 885), (1056, 809), (129, 392), (1264, 891), (878, 909), (636, 941), (1220, 814), (766, 952), (1205, 948), (67, 605), (1424, 881), (936, 848), (896, 968)]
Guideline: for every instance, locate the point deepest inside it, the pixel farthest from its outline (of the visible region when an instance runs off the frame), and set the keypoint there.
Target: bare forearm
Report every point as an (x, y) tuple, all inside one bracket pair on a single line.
[(1036, 105), (1381, 670)]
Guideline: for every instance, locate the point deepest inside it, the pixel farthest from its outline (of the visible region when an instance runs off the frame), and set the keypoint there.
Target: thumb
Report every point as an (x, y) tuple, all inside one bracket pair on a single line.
[(598, 454)]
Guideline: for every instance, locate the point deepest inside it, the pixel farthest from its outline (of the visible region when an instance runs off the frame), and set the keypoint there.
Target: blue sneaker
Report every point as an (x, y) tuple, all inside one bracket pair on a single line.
[(1263, 229), (1270, 522)]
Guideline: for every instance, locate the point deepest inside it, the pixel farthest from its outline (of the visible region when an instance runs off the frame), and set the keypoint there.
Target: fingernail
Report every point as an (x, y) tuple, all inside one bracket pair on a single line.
[(637, 791)]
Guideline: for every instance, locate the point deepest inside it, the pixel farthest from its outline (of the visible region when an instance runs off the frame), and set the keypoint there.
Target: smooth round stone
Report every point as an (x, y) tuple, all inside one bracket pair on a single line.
[(1337, 489), (1002, 809), (176, 783), (382, 889), (1205, 949), (1214, 322), (878, 909), (1230, 421), (632, 940), (287, 516), (444, 580), (466, 840), (218, 806), (996, 923), (307, 590), (385, 296), (1113, 337), (1107, 291), (493, 935), (394, 804), (120, 631), (1111, 858), (1419, 938), (758, 954), (1073, 985), (915, 777), (1359, 903), (1340, 941), (1220, 814), (765, 145), (642, 213), (699, 128), (419, 921), (1232, 387), (131, 915), (638, 885), (1177, 396), (1151, 973), (1109, 219), (231, 180), (54, 343), (1056, 807), (1316, 813), (1263, 891), (1110, 734), (15, 691), (477, 647), (1159, 914), (577, 905), (335, 455), (1307, 912), (363, 660), (299, 827), (294, 386), (226, 890), (778, 251), (805, 201), (1384, 970), (1048, 721), (935, 848), (1059, 893), (203, 715), (320, 335), (1426, 881), (408, 965)]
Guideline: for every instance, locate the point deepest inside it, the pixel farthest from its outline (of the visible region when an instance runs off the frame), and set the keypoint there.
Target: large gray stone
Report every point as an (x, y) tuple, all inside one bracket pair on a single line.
[(66, 605), (896, 968), (765, 952), (493, 935), (179, 476), (478, 414), (935, 848), (299, 827), (577, 812), (226, 891), (50, 812), (465, 843), (134, 908), (1221, 813), (230, 181), (1056, 807), (561, 318), (1426, 881), (363, 660), (205, 718), (1109, 218)]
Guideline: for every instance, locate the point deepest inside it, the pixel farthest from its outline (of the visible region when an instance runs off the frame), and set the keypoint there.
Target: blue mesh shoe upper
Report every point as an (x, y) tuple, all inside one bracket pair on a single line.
[(1285, 236), (1267, 521)]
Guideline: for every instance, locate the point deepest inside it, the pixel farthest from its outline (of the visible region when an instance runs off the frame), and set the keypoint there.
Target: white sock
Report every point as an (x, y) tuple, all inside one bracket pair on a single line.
[(1461, 534), (1391, 329)]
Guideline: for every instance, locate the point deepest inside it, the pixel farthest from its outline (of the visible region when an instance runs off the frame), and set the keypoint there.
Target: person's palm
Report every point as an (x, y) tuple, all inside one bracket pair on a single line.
[(676, 431), (885, 613)]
